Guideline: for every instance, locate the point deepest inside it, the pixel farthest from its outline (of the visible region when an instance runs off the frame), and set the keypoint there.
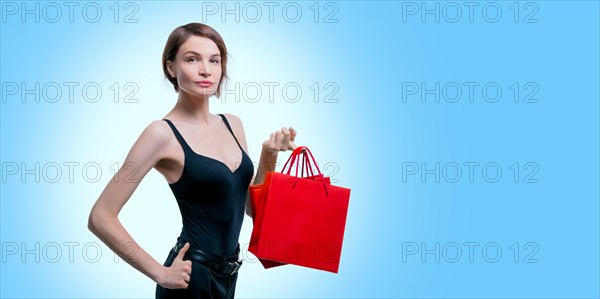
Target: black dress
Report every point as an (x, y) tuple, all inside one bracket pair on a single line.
[(211, 200)]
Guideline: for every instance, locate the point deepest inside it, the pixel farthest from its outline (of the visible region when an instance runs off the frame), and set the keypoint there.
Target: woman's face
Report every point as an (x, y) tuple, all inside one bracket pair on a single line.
[(197, 66)]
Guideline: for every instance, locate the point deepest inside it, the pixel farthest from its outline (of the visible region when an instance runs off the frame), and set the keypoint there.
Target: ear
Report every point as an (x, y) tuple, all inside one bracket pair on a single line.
[(171, 68)]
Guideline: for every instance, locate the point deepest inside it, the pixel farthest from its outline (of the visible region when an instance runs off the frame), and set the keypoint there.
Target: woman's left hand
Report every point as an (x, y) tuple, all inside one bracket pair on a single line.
[(281, 140)]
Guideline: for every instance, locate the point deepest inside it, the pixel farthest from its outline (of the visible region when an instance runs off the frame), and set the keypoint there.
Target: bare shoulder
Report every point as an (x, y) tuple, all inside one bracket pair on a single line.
[(235, 122), (158, 132), (153, 143)]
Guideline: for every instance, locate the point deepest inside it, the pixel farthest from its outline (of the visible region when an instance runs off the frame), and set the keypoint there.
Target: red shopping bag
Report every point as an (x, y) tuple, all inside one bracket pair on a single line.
[(300, 220), (255, 191), (257, 203)]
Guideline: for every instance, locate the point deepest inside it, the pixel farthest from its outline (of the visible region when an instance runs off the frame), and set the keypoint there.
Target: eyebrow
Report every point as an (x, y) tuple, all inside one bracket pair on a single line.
[(196, 53)]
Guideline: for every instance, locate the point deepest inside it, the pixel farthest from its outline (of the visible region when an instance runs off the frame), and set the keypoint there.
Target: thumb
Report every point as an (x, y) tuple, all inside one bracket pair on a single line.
[(293, 147), (182, 251)]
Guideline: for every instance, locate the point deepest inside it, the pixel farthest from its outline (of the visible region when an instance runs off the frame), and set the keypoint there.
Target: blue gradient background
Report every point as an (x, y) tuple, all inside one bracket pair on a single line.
[(363, 141)]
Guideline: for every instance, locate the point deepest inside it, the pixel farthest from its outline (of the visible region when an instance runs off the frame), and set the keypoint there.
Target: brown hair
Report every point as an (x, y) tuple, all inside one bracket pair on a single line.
[(180, 35)]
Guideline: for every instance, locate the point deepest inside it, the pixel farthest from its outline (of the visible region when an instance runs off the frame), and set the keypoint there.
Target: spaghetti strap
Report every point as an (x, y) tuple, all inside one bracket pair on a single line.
[(229, 128), (180, 138)]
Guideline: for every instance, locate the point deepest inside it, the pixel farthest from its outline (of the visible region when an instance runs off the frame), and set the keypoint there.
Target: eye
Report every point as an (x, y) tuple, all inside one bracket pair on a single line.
[(215, 61), (192, 59)]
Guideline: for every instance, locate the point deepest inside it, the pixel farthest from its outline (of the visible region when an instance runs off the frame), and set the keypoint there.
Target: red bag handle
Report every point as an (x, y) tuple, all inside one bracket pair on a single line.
[(307, 164), (292, 160), (316, 166), (292, 157), (296, 155)]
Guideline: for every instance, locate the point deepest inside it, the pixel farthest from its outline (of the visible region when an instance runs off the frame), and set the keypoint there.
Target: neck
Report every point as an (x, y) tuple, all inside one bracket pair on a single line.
[(192, 108)]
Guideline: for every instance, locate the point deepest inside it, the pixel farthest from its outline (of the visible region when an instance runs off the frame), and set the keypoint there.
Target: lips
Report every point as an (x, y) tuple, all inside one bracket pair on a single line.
[(204, 83)]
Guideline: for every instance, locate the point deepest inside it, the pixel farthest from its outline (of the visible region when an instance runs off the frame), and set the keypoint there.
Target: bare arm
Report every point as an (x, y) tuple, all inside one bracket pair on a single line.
[(103, 219), (266, 163)]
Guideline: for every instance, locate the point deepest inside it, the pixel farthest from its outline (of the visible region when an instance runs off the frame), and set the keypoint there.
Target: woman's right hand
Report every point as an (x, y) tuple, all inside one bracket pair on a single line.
[(177, 276)]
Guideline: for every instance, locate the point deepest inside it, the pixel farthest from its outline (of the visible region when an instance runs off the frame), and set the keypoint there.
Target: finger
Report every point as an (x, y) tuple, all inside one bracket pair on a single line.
[(187, 267), (278, 140), (292, 145), (286, 138), (293, 134), (182, 252)]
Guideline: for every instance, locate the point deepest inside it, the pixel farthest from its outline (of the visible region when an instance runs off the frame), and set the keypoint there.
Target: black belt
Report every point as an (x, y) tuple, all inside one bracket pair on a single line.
[(226, 265)]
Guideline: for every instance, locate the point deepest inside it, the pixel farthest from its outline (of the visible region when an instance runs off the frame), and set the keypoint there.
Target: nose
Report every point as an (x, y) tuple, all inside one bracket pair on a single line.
[(204, 69)]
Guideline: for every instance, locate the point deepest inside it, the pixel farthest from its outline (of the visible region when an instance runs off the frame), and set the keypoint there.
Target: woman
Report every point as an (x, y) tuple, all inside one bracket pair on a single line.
[(204, 159)]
